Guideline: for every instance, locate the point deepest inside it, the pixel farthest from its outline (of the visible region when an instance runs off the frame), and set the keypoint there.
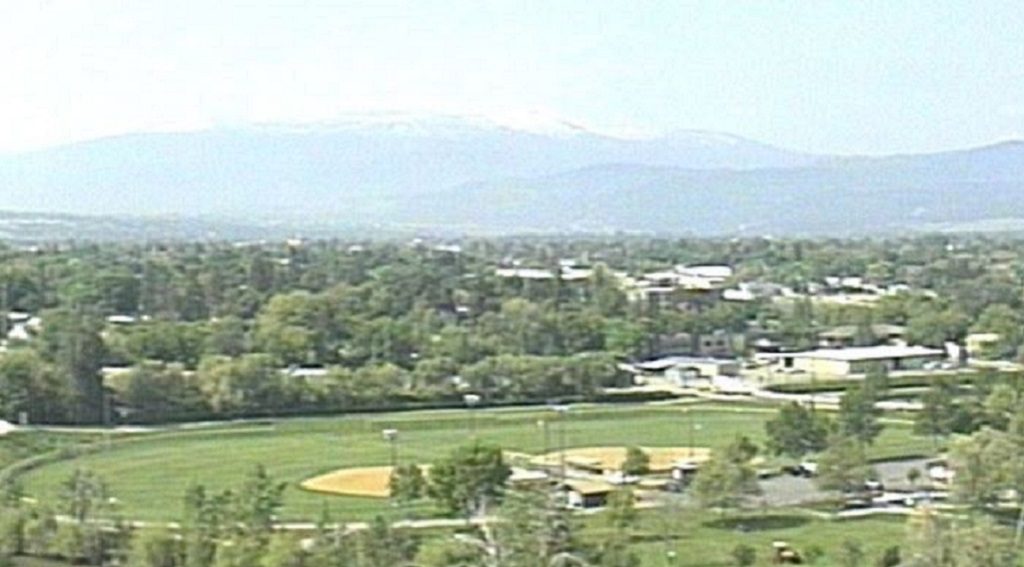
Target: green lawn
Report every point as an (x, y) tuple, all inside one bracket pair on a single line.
[(703, 539), (20, 446), (700, 538), (36, 562), (149, 475)]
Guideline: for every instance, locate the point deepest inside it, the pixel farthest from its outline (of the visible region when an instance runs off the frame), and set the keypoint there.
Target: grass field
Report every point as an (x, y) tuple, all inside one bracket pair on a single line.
[(702, 539), (35, 562), (16, 447), (150, 475)]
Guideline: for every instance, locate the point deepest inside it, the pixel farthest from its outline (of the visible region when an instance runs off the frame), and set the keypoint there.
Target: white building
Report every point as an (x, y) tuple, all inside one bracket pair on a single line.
[(843, 362), (685, 371)]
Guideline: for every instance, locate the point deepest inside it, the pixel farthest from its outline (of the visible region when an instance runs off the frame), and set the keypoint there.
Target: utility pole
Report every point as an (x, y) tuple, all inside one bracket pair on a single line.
[(391, 436), (543, 425), (689, 415), (472, 401), (563, 412)]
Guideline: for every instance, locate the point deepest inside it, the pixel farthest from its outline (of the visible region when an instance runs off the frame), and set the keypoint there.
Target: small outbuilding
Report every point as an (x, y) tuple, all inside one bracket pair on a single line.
[(686, 371), (585, 494)]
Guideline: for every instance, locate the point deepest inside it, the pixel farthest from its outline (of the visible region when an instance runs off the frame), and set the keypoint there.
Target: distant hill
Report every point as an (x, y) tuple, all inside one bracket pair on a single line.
[(477, 175), (335, 169), (838, 196)]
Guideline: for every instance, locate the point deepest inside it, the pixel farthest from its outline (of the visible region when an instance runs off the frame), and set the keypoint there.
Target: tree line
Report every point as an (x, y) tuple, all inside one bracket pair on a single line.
[(411, 321)]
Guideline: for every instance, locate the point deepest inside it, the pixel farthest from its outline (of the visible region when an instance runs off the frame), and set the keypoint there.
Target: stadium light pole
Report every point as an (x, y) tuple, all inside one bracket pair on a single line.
[(689, 415), (472, 401), (562, 410), (391, 436), (543, 425)]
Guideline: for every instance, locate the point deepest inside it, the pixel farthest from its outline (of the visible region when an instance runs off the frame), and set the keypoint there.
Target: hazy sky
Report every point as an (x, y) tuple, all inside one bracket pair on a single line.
[(829, 76)]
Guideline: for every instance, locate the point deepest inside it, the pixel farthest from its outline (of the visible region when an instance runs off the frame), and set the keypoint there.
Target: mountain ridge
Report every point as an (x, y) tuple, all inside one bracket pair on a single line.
[(454, 171)]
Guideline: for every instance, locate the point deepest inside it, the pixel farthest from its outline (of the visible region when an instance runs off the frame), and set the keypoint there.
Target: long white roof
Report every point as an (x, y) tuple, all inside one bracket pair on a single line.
[(880, 352)]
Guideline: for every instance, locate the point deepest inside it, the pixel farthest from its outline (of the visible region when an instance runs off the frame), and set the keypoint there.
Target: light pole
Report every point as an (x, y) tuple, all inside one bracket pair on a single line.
[(391, 436), (543, 425), (472, 401), (562, 410), (689, 415)]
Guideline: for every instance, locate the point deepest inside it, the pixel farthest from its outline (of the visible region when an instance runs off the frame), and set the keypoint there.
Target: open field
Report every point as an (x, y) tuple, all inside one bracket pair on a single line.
[(149, 475), (19, 446), (36, 562), (703, 539)]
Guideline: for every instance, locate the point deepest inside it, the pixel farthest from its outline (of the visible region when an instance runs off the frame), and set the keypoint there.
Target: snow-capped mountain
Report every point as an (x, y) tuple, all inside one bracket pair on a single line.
[(353, 162), (511, 174)]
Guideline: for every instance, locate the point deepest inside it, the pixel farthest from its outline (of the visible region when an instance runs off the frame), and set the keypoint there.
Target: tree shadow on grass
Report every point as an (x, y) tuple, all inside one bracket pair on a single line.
[(758, 523)]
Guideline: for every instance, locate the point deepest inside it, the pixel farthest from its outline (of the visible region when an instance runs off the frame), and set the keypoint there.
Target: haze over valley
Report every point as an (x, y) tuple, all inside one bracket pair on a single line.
[(473, 175)]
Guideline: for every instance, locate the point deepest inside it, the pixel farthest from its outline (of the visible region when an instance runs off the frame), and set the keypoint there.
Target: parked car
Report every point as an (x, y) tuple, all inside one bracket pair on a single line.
[(805, 469)]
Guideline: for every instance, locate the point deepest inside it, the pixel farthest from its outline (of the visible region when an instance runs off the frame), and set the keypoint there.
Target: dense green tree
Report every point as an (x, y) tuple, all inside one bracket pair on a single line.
[(156, 548), (859, 415), (1007, 323), (30, 386), (938, 540), (251, 382), (938, 414), (797, 431), (728, 479), (535, 528), (383, 546), (161, 391), (469, 480), (256, 503), (407, 483), (933, 325), (615, 549), (71, 341), (637, 462), (83, 494), (843, 467), (226, 337)]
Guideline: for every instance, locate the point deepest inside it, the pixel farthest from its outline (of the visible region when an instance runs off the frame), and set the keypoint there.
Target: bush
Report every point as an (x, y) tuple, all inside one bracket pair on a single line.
[(890, 557), (814, 554), (744, 555), (851, 554)]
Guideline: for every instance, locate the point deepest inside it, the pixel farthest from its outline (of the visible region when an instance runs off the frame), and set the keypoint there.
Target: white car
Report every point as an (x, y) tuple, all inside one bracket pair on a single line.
[(618, 478)]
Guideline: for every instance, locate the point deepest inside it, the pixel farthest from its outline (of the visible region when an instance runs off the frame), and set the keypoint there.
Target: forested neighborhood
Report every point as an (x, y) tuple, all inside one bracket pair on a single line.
[(107, 334), (821, 335)]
